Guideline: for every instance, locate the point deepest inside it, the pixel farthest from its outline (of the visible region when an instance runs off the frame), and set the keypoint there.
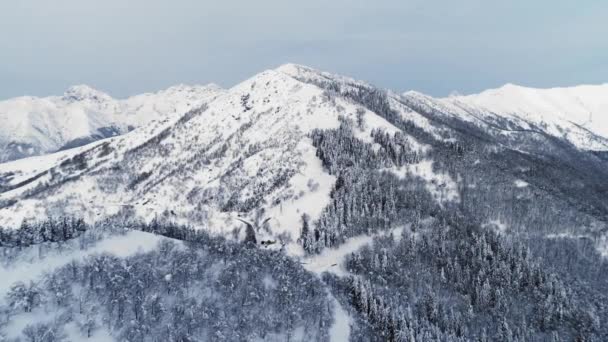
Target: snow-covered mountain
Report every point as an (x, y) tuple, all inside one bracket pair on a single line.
[(247, 150), (578, 115), (585, 106), (388, 217), (32, 126)]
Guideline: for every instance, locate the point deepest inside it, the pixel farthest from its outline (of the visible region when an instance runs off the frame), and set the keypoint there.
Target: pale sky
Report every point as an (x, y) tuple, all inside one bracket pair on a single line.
[(125, 47)]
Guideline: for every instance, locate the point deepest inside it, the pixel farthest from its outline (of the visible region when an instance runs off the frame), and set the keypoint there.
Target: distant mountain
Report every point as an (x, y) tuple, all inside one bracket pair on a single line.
[(31, 126), (576, 115), (405, 217), (579, 114)]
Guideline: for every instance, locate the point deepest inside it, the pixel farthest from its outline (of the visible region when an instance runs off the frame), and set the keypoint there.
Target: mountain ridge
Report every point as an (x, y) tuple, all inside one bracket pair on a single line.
[(405, 216), (40, 125), (561, 111), (263, 123)]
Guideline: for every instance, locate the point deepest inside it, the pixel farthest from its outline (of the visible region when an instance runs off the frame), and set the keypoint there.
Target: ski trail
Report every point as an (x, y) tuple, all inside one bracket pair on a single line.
[(340, 330)]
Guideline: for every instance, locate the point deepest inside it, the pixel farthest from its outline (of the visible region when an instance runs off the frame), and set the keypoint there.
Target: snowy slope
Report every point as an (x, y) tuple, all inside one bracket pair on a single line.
[(254, 153), (30, 265), (247, 152), (578, 114), (32, 126)]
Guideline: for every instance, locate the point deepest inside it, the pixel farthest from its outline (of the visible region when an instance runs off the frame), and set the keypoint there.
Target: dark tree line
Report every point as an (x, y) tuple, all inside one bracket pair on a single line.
[(49, 230)]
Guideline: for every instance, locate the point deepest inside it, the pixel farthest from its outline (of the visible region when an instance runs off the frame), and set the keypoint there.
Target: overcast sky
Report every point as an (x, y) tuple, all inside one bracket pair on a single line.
[(126, 47)]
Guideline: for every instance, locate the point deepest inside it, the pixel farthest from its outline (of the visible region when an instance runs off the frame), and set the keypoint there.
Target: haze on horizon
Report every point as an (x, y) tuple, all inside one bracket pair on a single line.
[(436, 47)]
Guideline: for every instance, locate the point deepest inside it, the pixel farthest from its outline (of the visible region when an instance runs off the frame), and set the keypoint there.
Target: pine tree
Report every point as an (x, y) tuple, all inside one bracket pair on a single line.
[(305, 234)]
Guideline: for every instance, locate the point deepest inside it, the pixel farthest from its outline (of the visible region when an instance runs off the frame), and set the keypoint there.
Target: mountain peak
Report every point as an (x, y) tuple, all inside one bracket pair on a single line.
[(307, 74), (293, 68), (83, 92), (413, 93), (34, 125), (510, 87)]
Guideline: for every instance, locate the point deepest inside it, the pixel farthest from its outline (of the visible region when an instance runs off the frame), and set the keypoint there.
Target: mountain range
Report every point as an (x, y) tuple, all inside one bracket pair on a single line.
[(479, 217), (33, 126), (215, 151)]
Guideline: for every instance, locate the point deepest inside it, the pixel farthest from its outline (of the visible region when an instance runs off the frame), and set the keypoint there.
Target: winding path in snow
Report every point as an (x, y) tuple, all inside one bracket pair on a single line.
[(331, 260)]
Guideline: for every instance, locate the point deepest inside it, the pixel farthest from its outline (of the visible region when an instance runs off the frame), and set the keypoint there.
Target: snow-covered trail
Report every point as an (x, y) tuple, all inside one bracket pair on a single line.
[(332, 260), (340, 330)]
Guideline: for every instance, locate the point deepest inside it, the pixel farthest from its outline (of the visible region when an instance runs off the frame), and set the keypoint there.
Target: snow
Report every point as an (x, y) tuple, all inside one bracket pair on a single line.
[(566, 236), (601, 242), (578, 114), (262, 124), (340, 330), (497, 225), (269, 282), (373, 121), (46, 124), (18, 322), (408, 99), (440, 185), (32, 165), (305, 73), (29, 267), (261, 128), (585, 105), (602, 245), (99, 334), (332, 259), (25, 168), (315, 197)]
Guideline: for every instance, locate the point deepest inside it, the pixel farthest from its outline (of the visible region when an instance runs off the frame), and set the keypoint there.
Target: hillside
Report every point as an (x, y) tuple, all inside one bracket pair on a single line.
[(259, 151)]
